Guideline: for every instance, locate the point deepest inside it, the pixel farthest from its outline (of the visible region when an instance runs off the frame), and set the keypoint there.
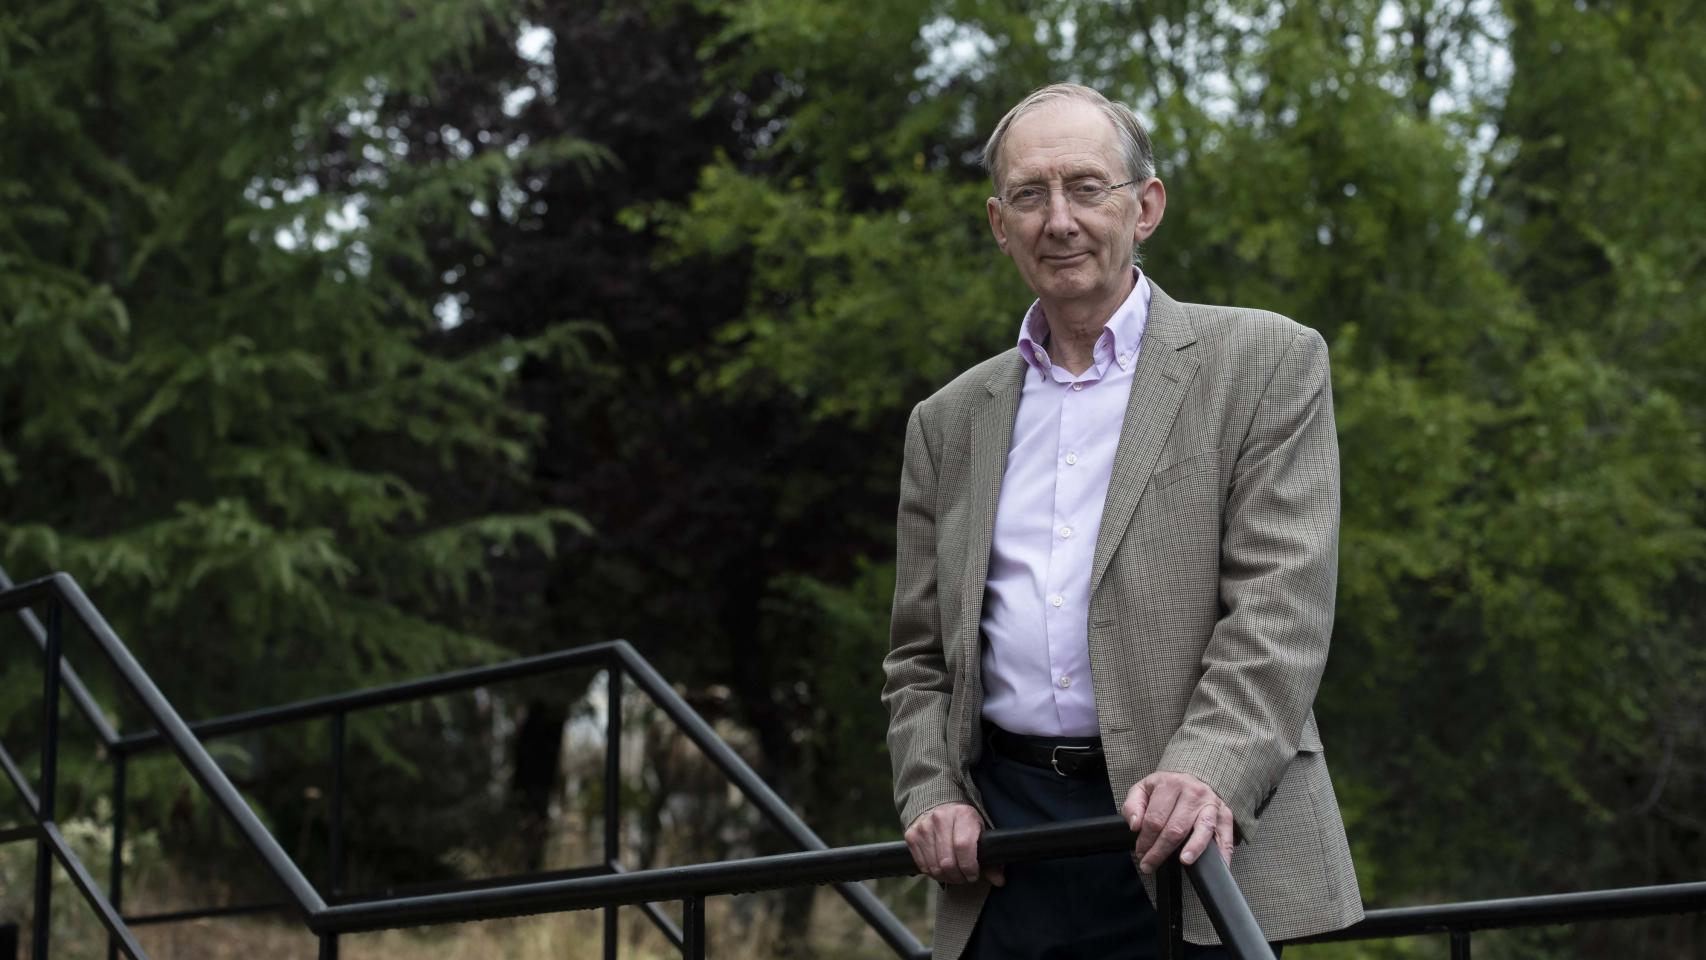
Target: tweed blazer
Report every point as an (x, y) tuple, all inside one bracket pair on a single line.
[(1211, 599)]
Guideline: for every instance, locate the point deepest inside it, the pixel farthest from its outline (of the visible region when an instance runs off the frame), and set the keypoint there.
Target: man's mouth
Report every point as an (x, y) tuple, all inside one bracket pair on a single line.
[(1063, 259)]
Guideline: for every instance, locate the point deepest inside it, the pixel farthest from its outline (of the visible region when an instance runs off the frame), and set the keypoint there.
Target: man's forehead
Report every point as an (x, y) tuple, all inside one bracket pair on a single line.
[(1072, 133)]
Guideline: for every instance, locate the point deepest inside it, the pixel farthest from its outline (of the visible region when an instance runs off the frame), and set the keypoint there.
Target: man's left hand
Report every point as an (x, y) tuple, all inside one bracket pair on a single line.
[(1167, 809)]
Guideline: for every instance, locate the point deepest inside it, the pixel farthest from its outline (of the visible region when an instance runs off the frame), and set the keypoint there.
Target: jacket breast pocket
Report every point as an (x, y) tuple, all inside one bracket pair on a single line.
[(1183, 503), (1195, 463)]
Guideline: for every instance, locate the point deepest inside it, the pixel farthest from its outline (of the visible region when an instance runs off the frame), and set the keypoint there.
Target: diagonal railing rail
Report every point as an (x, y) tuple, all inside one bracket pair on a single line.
[(60, 594)]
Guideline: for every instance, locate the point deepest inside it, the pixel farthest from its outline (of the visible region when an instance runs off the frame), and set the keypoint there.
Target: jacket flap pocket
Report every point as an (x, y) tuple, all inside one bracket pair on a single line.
[(1174, 472), (1310, 740)]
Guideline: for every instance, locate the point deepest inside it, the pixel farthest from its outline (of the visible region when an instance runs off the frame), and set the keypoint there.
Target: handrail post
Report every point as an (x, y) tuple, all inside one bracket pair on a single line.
[(115, 886), (1170, 909), (335, 829), (693, 928), (1460, 945), (612, 788), (43, 920)]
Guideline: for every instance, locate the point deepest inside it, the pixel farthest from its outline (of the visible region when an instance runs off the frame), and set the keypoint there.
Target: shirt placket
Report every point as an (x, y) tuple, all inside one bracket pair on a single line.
[(1065, 613)]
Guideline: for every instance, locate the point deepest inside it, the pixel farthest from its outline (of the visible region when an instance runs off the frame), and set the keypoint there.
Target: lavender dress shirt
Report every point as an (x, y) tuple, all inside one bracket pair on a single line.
[(1036, 604)]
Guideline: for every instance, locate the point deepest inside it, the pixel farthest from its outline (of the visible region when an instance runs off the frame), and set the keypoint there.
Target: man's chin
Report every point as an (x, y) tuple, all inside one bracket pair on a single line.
[(1067, 285)]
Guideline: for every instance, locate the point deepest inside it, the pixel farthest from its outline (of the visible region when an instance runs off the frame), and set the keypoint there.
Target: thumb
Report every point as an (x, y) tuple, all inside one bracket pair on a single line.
[(997, 876)]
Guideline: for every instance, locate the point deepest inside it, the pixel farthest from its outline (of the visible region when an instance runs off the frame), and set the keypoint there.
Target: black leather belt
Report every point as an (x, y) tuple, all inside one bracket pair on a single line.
[(1077, 758)]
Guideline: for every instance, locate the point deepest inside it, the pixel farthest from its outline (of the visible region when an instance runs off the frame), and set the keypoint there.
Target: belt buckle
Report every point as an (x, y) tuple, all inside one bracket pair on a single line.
[(1054, 756)]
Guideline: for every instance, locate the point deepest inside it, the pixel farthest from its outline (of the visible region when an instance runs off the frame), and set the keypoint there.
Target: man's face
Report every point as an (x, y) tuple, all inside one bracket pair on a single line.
[(1069, 251)]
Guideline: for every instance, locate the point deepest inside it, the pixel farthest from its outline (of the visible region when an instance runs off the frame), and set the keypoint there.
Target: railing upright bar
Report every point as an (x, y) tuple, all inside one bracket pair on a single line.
[(335, 799), (80, 695), (1460, 945), (693, 928), (1170, 910), (42, 922), (612, 790), (329, 947), (115, 882)]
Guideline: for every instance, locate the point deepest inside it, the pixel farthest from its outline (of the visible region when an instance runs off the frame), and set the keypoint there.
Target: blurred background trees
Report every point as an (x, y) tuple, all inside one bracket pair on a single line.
[(342, 344)]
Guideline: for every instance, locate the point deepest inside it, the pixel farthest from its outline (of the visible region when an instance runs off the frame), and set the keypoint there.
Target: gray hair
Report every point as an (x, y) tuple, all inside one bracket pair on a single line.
[(1134, 140)]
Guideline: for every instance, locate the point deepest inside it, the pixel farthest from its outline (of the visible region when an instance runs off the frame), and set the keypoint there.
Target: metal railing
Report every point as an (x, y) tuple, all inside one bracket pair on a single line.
[(609, 885), (606, 886), (1460, 921), (61, 594), (620, 661)]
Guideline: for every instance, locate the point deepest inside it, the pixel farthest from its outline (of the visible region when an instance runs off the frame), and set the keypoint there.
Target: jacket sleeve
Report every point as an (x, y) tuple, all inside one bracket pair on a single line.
[(918, 685), (1278, 575)]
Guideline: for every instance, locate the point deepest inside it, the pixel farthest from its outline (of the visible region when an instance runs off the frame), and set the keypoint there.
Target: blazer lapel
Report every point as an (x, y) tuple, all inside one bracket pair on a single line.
[(991, 438), (1164, 369)]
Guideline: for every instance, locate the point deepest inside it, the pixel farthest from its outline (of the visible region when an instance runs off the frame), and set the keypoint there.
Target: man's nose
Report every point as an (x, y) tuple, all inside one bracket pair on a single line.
[(1060, 222)]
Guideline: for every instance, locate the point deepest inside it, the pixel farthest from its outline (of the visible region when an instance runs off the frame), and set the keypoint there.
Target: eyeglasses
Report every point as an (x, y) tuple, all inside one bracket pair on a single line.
[(1084, 194)]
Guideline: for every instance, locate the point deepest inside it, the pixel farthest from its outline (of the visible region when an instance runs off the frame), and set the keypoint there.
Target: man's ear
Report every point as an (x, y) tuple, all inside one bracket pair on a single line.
[(1152, 205), (996, 227)]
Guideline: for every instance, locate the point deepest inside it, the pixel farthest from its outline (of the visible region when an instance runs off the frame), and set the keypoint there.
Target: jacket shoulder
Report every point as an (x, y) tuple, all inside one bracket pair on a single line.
[(1244, 331), (970, 386)]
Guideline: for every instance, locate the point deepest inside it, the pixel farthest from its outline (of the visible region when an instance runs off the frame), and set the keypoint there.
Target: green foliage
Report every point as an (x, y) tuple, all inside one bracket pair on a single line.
[(1490, 213), (233, 399), (227, 395)]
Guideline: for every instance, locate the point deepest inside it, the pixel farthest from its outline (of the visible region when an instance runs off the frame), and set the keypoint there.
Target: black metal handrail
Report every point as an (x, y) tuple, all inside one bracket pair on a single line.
[(1460, 920), (607, 885), (622, 660), (62, 594), (1210, 876)]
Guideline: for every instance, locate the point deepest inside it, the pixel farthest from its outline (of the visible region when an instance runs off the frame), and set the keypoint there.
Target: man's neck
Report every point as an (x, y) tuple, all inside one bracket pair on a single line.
[(1075, 325)]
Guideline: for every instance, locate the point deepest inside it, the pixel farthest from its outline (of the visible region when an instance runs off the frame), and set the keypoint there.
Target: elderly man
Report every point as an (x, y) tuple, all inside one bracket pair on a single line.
[(1117, 553)]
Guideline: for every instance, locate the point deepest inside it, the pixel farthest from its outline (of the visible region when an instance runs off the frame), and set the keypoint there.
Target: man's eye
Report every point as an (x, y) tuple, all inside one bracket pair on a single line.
[(1027, 195), (1089, 188)]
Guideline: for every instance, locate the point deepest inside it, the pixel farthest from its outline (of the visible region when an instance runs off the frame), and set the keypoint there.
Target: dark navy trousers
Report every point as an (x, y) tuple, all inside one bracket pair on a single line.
[(1078, 908)]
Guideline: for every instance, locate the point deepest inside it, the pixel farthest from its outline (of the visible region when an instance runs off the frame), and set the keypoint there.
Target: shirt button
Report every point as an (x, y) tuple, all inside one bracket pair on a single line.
[(1125, 358), (1065, 682), (1071, 459), (1057, 599), (1078, 386), (1065, 532)]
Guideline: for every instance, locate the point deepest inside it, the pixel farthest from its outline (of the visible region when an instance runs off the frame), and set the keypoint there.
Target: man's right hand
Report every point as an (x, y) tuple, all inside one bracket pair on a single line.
[(943, 841)]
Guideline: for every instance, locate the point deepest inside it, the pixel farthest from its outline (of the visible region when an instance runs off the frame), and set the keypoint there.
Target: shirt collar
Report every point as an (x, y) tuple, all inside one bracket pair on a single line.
[(1123, 331)]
